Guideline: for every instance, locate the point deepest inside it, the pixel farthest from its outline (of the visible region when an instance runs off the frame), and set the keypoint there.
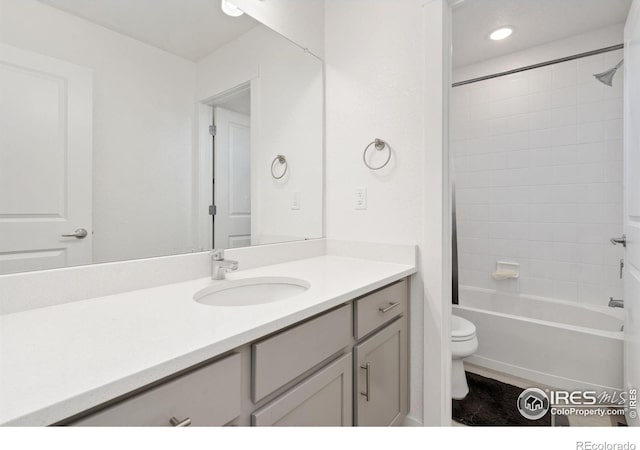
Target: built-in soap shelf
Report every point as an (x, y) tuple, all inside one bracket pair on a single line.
[(506, 271)]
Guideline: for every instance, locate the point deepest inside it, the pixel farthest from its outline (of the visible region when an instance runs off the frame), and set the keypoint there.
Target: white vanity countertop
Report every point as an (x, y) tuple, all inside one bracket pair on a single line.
[(60, 360)]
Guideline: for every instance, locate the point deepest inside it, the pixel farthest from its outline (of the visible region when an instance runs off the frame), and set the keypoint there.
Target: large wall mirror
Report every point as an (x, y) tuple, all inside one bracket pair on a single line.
[(135, 129)]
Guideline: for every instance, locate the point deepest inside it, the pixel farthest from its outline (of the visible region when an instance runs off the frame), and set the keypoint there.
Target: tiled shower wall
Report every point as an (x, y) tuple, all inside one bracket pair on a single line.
[(538, 173)]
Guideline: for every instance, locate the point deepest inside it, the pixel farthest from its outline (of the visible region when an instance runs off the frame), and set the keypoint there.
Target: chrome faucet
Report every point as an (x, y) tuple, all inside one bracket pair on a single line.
[(220, 266), (615, 303)]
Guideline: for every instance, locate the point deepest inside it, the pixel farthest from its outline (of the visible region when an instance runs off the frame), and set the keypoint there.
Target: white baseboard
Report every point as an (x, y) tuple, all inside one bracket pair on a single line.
[(412, 422)]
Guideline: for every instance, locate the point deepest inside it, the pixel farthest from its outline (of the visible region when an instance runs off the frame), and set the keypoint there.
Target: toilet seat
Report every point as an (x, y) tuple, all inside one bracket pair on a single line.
[(461, 329)]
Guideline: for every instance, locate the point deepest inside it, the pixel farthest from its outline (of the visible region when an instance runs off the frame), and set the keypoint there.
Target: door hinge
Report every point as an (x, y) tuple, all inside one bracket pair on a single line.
[(213, 130), (212, 210)]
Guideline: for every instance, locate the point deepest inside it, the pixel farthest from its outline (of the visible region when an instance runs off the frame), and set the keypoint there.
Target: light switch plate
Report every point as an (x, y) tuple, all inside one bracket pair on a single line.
[(360, 198), (295, 201)]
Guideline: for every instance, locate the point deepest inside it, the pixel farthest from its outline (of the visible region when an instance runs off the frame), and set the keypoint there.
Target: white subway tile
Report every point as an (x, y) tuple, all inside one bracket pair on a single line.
[(614, 150), (510, 195), (474, 213), (540, 138), (565, 232), (564, 136), (563, 117), (509, 249), (599, 193), (518, 159), (613, 129), (615, 91), (591, 254), (509, 213), (565, 290), (590, 92), (539, 120), (552, 213), (539, 101), (609, 213), (542, 251), (565, 252), (509, 230), (473, 196), (539, 80), (591, 112), (536, 286), (566, 96), (564, 74), (469, 229), (612, 172), (541, 231), (540, 269), (591, 132), (612, 109)]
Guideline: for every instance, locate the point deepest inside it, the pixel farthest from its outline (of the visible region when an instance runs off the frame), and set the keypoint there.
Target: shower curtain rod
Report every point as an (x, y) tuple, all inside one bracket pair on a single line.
[(543, 64)]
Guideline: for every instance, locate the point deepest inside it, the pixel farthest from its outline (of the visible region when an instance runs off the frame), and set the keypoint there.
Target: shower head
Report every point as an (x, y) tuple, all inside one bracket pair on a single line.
[(607, 77)]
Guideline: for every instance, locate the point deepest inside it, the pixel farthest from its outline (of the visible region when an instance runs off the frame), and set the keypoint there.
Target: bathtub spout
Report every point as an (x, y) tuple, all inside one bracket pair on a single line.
[(615, 303)]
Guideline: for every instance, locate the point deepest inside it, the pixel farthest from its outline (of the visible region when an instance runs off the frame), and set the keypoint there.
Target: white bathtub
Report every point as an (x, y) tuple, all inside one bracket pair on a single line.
[(552, 342)]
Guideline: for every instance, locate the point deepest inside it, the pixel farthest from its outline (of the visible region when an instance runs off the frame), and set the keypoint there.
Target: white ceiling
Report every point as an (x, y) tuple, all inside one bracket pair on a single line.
[(188, 28), (535, 22)]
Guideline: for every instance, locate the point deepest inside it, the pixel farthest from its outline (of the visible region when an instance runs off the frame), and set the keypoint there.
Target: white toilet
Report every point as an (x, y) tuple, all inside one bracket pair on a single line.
[(463, 344)]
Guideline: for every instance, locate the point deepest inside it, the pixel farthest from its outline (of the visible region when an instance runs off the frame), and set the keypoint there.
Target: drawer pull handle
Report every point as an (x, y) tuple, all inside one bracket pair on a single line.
[(367, 383), (180, 423), (388, 308)]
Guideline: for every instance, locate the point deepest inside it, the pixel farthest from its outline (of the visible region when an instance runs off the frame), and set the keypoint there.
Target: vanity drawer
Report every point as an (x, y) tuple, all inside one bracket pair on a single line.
[(208, 396), (281, 358), (378, 308)]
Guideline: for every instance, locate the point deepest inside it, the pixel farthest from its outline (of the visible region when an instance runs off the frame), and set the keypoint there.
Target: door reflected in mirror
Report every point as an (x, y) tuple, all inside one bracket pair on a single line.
[(125, 135)]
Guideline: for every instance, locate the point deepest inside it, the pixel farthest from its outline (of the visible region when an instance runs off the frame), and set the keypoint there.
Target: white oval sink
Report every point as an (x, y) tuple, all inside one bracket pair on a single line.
[(251, 291)]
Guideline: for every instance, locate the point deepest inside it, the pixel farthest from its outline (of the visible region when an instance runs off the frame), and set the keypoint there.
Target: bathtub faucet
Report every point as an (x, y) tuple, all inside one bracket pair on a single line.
[(615, 303)]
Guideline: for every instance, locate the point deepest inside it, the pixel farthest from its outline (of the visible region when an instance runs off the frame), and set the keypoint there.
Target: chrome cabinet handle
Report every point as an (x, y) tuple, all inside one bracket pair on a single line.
[(621, 240), (80, 233), (367, 394), (388, 308), (180, 423)]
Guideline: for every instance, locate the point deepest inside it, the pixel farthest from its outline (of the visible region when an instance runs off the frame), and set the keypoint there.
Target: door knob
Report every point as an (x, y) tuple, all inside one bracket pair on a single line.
[(80, 233), (621, 240)]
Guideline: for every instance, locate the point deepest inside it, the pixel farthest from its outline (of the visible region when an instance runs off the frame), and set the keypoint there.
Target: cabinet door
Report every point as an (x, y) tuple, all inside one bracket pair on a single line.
[(324, 399), (381, 377)]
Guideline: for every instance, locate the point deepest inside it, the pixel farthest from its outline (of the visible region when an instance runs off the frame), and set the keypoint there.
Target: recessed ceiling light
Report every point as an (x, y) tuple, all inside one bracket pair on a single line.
[(501, 33), (230, 9)]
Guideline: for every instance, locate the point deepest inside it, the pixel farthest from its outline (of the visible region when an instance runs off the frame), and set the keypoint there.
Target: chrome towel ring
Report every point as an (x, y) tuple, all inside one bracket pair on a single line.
[(379, 145), (282, 161)]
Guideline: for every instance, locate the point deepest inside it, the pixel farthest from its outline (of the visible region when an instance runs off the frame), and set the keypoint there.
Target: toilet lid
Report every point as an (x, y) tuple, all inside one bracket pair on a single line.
[(461, 329)]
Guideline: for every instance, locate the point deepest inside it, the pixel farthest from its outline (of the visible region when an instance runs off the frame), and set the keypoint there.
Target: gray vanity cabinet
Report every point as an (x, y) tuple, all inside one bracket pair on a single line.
[(346, 366), (324, 399), (381, 379)]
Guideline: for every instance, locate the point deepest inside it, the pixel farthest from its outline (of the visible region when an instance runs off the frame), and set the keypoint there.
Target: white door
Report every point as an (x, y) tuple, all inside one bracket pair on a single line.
[(632, 205), (45, 161), (232, 180)]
